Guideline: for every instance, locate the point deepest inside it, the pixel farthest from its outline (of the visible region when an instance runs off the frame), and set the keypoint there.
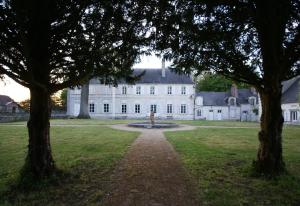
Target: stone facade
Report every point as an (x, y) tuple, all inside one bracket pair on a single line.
[(236, 104), (169, 95)]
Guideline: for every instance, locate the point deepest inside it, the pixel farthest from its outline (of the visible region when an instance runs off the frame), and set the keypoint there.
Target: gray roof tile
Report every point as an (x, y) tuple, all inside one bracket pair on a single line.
[(154, 76), (221, 98), (4, 99), (291, 91)]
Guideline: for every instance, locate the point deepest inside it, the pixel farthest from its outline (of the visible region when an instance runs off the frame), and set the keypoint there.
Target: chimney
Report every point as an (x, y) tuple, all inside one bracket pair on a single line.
[(234, 91), (163, 68)]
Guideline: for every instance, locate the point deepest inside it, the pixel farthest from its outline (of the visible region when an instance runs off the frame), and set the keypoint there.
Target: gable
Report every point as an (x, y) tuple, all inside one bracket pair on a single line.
[(291, 91)]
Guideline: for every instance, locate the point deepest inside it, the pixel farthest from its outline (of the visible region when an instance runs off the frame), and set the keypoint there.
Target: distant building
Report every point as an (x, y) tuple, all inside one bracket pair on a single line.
[(167, 94), (172, 96), (8, 105), (236, 104), (291, 100)]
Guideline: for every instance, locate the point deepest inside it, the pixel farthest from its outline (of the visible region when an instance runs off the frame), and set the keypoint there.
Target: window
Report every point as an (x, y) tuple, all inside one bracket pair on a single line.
[(153, 108), (169, 90), (231, 101), (124, 90), (92, 107), (198, 112), (219, 111), (169, 108), (183, 90), (124, 108), (106, 108), (183, 109), (137, 108), (138, 90), (211, 110), (252, 101), (152, 90), (294, 116)]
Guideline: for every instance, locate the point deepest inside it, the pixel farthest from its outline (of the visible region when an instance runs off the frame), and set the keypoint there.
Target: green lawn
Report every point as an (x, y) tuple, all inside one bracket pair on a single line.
[(88, 156), (79, 122), (125, 121), (220, 160), (217, 123)]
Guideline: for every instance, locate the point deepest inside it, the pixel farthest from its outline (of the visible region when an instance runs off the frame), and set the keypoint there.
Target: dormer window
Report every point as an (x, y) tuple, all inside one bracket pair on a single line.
[(199, 101), (124, 90), (152, 90), (169, 89), (138, 90), (232, 101), (183, 90), (252, 101)]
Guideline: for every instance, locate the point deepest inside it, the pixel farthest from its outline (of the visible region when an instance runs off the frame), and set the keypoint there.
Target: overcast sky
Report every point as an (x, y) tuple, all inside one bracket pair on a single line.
[(19, 93)]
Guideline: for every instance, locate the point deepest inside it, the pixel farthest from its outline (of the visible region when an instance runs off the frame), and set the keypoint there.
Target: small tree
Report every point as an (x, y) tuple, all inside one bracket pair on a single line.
[(63, 97), (53, 44), (252, 41)]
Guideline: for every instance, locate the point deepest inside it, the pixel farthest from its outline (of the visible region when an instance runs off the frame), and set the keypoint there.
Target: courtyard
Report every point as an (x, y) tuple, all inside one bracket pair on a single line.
[(210, 160)]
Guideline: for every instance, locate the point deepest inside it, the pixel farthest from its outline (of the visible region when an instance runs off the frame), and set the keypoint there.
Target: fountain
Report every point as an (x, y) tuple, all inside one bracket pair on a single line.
[(153, 124)]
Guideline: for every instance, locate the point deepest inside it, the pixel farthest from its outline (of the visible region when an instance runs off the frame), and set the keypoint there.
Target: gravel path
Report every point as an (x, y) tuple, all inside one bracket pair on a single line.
[(151, 173)]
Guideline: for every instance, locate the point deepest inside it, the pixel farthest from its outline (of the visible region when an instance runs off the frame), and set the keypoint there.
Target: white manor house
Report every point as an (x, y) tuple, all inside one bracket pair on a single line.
[(172, 96)]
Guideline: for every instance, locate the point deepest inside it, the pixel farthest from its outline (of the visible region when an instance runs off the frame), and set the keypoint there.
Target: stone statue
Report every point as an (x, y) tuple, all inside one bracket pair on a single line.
[(152, 117)]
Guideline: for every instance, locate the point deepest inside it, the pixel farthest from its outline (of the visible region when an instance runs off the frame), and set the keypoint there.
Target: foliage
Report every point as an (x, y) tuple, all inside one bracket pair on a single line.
[(217, 83), (53, 44), (25, 104), (74, 37), (87, 155), (219, 160), (255, 42), (230, 38), (56, 103), (63, 97)]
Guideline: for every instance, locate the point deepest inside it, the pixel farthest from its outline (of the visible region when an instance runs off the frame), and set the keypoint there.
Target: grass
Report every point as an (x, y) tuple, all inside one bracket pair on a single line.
[(91, 122), (87, 155), (220, 160), (217, 123), (125, 121)]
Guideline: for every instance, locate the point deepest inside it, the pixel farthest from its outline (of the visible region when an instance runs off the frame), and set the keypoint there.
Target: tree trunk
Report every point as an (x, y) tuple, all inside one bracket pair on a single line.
[(269, 157), (84, 102), (39, 161)]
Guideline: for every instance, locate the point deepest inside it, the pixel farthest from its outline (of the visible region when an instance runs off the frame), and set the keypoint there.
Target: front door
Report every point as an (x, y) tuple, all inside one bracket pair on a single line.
[(211, 115)]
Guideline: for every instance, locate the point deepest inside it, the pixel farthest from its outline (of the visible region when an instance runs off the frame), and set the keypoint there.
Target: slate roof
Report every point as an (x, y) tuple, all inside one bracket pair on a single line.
[(5, 99), (213, 98), (221, 98), (291, 90), (154, 76), (290, 94)]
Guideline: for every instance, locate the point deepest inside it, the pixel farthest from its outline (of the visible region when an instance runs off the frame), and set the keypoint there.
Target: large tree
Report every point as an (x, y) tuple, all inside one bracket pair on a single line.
[(252, 41), (53, 44)]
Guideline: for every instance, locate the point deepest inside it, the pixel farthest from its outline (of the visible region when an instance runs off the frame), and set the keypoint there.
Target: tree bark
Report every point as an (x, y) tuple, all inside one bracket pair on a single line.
[(84, 102), (39, 161), (269, 157)]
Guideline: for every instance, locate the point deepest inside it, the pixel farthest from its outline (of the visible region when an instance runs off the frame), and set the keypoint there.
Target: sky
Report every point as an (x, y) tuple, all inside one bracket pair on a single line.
[(18, 93)]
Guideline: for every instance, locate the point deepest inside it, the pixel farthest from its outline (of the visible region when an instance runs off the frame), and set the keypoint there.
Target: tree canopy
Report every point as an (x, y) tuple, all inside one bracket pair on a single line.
[(251, 41), (53, 44), (216, 82)]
